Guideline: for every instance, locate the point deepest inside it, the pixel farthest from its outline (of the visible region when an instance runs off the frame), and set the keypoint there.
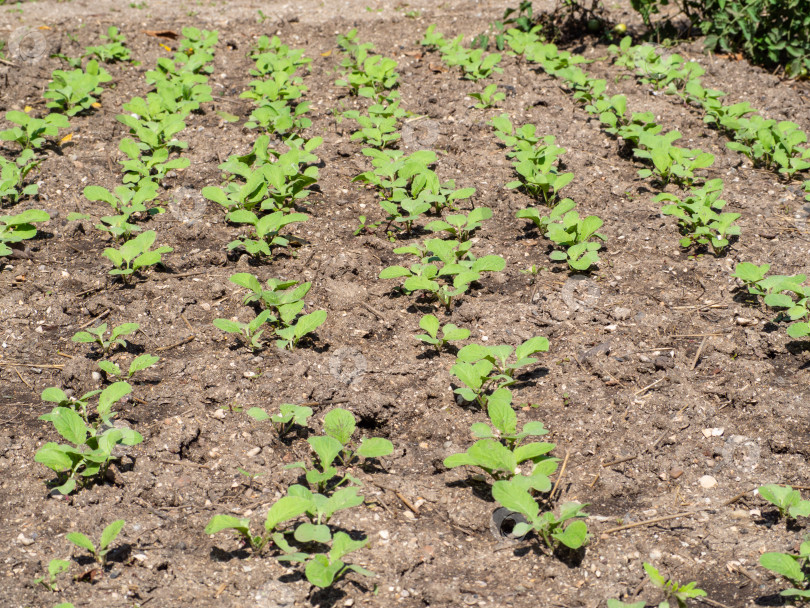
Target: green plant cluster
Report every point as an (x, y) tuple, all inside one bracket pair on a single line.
[(777, 145), (520, 469), (475, 63), (536, 161), (788, 294), (313, 541), (281, 306)]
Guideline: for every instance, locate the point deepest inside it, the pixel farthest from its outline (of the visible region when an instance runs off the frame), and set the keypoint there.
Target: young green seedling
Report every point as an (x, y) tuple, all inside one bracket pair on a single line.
[(96, 336), (31, 132), (323, 569), (672, 589), (498, 450), (18, 228), (12, 177), (108, 536), (76, 91), (480, 368), (335, 446), (699, 217), (248, 332), (139, 363), (114, 50), (303, 326), (786, 499), (488, 98), (794, 568), (554, 530), (449, 332), (460, 226), (267, 230), (285, 421), (135, 254), (283, 510), (55, 568)]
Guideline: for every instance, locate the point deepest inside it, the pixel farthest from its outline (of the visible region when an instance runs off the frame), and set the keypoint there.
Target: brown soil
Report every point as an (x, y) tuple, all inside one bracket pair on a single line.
[(623, 381)]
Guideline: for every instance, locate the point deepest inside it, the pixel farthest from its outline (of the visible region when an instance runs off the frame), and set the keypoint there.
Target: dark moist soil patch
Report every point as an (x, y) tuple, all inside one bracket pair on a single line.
[(621, 384)]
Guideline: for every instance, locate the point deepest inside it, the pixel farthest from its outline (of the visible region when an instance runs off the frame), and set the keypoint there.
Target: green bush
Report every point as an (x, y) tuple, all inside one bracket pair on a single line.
[(768, 32)]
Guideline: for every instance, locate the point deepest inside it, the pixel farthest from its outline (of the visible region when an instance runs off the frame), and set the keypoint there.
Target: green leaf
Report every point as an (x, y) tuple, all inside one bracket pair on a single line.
[(321, 573), (69, 424), (515, 498), (307, 533), (53, 457), (228, 522), (54, 395), (375, 447), (110, 533), (286, 508), (232, 327), (574, 535), (309, 323), (142, 362), (499, 409), (258, 413), (430, 324), (80, 540), (327, 448), (784, 565), (340, 424), (112, 394)]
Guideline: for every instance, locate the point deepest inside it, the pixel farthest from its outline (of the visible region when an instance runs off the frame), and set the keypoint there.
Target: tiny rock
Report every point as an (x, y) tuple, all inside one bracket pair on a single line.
[(384, 534), (675, 472), (716, 432), (24, 540), (743, 321), (219, 414), (707, 482), (253, 452), (621, 314)]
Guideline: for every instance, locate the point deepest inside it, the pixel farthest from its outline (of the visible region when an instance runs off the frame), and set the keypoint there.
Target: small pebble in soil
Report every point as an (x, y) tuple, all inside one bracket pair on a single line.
[(707, 482), (675, 472)]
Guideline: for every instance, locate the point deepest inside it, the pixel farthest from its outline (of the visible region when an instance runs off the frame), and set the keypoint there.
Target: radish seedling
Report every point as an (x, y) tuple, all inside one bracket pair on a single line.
[(18, 228), (500, 450), (335, 446), (248, 332), (488, 98), (138, 364), (303, 326), (480, 368), (449, 332), (554, 530), (96, 336), (267, 230), (673, 590), (55, 568), (786, 499), (794, 568), (108, 536), (460, 226), (283, 510), (323, 569), (12, 176), (31, 132), (76, 91), (90, 450), (699, 219), (135, 254), (113, 50), (284, 422)]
